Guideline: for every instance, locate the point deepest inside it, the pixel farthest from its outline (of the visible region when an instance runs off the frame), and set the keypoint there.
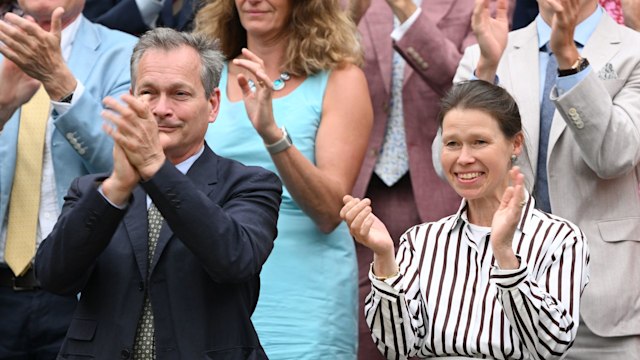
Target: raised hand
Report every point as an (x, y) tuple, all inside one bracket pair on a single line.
[(506, 219), (368, 230), (492, 34), (364, 226), (258, 101), (37, 52), (136, 131), (123, 179), (563, 24)]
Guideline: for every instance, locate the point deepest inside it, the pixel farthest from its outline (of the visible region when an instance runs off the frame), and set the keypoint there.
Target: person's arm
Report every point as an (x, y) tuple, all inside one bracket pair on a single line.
[(341, 142), (231, 239), (543, 308), (605, 127), (42, 60), (65, 259), (394, 309)]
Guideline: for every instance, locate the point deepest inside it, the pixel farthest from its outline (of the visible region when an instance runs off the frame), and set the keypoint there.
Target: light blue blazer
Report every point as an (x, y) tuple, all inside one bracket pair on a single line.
[(99, 59)]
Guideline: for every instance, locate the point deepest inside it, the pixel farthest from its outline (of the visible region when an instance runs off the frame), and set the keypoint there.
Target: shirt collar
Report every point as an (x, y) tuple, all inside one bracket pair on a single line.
[(460, 218), (68, 36), (184, 166), (582, 33)]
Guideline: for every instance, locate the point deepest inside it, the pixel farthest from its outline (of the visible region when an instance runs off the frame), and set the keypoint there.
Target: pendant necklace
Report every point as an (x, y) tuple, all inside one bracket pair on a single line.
[(278, 84)]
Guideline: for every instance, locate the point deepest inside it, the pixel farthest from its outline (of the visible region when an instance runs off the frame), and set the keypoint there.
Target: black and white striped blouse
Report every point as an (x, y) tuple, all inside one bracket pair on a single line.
[(451, 299)]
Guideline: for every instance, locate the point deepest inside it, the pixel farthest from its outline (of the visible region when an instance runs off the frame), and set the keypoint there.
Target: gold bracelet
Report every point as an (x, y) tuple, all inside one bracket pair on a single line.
[(383, 278)]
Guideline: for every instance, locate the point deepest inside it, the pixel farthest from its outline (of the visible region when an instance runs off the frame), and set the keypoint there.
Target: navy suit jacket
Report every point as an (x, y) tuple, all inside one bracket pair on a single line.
[(124, 15), (203, 282)]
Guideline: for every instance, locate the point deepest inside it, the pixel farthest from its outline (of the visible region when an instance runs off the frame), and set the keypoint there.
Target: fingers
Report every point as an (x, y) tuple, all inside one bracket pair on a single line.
[(139, 105), (476, 17), (502, 10), (251, 56), (244, 85), (26, 26)]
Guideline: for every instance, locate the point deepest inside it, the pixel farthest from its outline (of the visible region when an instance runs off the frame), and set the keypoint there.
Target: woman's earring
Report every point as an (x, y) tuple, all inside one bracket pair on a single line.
[(514, 158)]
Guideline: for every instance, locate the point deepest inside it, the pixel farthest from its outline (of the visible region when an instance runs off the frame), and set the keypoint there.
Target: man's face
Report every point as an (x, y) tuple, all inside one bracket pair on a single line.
[(41, 10), (176, 97)]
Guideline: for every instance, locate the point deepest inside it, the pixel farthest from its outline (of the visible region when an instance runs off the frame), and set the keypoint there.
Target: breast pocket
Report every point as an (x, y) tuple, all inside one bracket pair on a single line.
[(620, 229)]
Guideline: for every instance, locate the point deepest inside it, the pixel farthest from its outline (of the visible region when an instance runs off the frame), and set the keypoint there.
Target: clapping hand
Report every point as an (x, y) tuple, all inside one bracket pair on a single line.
[(492, 34), (257, 99), (505, 221), (364, 226)]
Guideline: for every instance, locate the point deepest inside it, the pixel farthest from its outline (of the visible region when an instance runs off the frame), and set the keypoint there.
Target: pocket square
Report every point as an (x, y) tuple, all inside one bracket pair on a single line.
[(607, 72)]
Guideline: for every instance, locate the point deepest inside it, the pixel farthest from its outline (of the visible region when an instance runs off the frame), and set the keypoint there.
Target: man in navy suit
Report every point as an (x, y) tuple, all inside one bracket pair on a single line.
[(179, 286), (138, 16)]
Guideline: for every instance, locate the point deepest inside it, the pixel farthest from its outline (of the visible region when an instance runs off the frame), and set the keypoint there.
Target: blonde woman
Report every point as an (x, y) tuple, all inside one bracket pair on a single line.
[(300, 59)]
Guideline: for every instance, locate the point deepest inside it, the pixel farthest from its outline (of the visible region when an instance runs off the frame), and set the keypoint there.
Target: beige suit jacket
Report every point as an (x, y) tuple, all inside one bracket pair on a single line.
[(593, 157)]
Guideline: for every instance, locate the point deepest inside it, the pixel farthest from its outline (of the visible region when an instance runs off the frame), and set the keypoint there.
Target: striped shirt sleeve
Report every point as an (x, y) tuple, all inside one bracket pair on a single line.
[(394, 309), (543, 308)]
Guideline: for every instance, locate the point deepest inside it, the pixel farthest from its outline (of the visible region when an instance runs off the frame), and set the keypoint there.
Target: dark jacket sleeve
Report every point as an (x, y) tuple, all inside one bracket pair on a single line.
[(65, 259), (231, 236), (120, 15)]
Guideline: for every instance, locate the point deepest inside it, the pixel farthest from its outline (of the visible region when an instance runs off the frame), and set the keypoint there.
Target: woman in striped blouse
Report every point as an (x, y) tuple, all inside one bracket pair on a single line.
[(498, 279)]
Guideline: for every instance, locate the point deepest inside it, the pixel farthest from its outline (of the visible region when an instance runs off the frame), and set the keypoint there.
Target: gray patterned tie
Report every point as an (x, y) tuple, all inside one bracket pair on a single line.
[(144, 346), (547, 109)]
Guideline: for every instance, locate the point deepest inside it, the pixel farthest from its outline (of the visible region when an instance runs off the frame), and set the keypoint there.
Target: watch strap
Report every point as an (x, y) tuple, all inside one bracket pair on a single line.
[(578, 66), (67, 98), (283, 144)]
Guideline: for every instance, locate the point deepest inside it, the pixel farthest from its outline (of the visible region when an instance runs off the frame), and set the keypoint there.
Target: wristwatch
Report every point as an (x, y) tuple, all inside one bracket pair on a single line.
[(67, 98), (577, 66), (280, 145)]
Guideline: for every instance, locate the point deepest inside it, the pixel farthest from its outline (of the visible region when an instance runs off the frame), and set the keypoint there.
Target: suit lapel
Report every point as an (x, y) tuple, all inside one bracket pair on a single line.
[(525, 82), (84, 52), (204, 175), (378, 21), (603, 44), (135, 222)]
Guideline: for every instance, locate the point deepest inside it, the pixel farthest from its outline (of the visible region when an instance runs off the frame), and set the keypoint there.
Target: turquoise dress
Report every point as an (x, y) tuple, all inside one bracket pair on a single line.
[(308, 297)]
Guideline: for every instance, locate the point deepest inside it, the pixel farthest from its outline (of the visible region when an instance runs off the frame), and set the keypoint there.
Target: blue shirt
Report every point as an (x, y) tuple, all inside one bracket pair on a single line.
[(581, 35)]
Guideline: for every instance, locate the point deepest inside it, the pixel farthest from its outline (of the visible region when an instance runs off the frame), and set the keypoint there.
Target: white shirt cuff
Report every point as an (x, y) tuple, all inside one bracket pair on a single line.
[(399, 32)]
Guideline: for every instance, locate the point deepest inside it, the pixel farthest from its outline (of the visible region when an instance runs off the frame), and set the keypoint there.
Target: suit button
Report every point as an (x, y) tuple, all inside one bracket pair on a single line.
[(140, 286), (373, 152), (424, 65), (573, 112), (69, 136), (125, 354)]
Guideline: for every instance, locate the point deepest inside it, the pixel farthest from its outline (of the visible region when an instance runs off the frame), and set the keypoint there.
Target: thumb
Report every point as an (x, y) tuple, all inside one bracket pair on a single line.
[(56, 21)]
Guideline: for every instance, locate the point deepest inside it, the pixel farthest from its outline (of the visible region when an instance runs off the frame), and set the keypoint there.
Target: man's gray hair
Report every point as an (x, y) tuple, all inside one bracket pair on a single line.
[(211, 59)]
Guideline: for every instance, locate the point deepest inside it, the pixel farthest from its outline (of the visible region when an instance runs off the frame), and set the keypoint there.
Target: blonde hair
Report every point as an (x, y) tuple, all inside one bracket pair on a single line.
[(320, 35)]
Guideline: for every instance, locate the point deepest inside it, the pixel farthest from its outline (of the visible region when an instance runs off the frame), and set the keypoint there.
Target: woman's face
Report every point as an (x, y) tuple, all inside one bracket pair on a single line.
[(476, 156), (264, 17)]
